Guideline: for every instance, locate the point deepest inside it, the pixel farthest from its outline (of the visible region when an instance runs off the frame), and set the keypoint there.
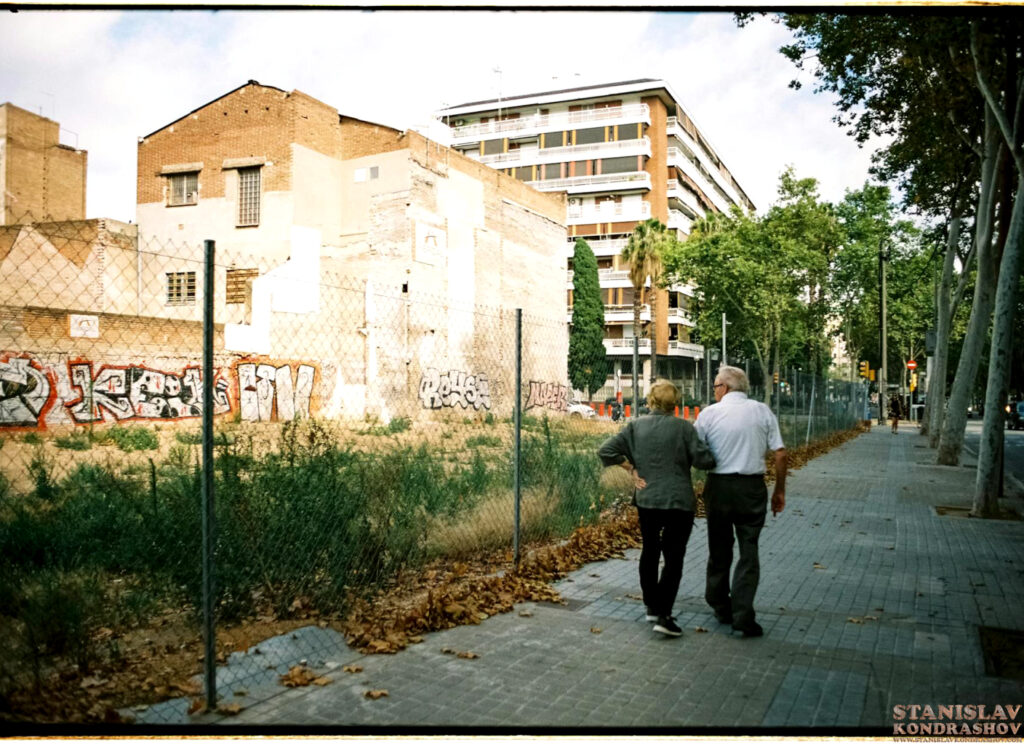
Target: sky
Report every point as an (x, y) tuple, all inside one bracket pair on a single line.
[(110, 77)]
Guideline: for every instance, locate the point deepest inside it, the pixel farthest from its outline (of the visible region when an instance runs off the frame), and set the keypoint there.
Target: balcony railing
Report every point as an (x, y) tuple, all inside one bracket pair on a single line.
[(530, 156), (722, 182), (678, 315), (678, 221), (609, 212), (576, 184), (625, 346), (676, 157), (675, 190), (561, 121), (685, 348)]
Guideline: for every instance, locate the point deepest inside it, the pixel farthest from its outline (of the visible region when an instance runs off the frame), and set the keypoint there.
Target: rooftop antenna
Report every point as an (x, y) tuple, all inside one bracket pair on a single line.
[(498, 70)]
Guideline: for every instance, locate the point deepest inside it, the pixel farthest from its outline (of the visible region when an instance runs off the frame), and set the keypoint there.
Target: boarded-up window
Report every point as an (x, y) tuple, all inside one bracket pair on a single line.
[(237, 287)]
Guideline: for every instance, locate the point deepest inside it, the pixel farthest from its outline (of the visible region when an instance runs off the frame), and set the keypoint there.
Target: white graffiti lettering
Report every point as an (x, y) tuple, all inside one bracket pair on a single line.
[(454, 388), (548, 395), (261, 386), (25, 392), (137, 392)]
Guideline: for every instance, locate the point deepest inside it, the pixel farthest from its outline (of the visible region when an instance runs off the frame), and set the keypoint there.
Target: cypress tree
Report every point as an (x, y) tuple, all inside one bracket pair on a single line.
[(588, 367)]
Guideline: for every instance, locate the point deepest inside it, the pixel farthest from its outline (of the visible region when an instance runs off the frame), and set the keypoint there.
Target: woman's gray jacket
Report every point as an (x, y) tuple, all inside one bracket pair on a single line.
[(662, 448)]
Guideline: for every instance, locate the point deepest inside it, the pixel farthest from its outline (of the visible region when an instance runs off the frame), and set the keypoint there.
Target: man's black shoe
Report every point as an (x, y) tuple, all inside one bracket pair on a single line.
[(667, 626), (750, 631), (724, 617)]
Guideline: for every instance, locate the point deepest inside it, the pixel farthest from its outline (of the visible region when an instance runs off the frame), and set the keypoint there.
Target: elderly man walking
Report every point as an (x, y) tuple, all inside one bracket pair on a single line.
[(739, 432)]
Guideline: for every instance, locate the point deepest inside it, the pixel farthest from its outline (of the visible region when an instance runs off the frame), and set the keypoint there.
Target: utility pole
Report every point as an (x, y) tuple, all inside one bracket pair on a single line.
[(883, 257), (724, 324)]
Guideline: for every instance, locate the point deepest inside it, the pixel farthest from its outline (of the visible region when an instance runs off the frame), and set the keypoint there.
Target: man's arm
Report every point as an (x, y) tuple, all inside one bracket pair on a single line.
[(779, 493)]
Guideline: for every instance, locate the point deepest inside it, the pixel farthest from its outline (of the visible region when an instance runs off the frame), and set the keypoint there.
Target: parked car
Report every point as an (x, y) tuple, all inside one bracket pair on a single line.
[(1015, 415), (580, 410)]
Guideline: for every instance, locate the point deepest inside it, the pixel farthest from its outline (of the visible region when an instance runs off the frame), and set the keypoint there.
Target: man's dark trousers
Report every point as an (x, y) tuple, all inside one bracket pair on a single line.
[(662, 532), (734, 502)]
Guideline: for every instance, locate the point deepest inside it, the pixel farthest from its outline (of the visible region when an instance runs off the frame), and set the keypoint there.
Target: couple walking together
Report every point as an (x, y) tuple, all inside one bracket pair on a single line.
[(730, 440)]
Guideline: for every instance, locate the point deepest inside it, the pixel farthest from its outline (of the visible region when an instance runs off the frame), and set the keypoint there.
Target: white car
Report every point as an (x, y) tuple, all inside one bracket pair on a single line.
[(579, 410)]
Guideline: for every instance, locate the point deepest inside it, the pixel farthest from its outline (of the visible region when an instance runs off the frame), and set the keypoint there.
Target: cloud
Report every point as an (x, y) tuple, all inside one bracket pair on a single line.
[(110, 77)]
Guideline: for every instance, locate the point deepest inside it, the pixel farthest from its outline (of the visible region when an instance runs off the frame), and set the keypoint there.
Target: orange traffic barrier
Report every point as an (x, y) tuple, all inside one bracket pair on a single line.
[(627, 411), (600, 409), (696, 412), (677, 411), (686, 412)]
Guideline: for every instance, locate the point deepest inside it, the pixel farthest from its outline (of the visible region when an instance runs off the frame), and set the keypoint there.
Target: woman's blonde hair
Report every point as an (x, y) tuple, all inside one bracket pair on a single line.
[(663, 396)]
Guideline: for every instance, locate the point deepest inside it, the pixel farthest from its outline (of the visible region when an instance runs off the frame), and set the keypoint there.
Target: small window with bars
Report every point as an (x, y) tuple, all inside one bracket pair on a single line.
[(181, 288), (248, 196), (237, 287), (184, 188)]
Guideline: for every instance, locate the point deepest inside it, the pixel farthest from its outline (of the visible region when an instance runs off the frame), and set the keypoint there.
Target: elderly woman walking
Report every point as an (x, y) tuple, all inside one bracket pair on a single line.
[(659, 450)]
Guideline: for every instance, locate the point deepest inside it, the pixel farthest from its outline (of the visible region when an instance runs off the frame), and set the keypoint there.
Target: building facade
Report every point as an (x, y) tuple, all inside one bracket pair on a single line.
[(40, 179), (621, 153), (363, 249)]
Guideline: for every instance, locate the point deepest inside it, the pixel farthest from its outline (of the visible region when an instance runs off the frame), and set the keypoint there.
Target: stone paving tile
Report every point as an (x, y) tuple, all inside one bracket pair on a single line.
[(862, 513)]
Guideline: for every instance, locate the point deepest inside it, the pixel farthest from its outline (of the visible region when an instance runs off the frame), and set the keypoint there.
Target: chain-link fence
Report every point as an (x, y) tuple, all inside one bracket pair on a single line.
[(361, 435)]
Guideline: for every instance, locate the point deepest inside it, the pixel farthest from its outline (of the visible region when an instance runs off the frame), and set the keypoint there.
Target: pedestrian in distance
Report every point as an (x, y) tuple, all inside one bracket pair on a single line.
[(895, 412), (659, 450), (740, 432)]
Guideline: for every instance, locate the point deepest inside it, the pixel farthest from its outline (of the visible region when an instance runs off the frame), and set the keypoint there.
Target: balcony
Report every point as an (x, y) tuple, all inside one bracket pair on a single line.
[(674, 128), (678, 221), (685, 349), (679, 315), (621, 347), (677, 191), (631, 180), (537, 123), (579, 214), (536, 156), (624, 313), (600, 247), (679, 159)]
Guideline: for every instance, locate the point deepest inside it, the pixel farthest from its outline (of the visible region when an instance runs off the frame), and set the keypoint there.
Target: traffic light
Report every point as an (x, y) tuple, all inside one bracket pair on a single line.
[(913, 381), (776, 377), (864, 372), (871, 375)]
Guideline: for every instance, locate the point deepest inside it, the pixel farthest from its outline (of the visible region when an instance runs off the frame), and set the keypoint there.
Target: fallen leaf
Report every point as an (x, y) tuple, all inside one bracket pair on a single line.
[(701, 630), (241, 692), (525, 614), (415, 639), (595, 575), (297, 676), (376, 694), (818, 566), (855, 620), (321, 681), (351, 669), (634, 597), (870, 618), (197, 706), (229, 709), (467, 655), (595, 630)]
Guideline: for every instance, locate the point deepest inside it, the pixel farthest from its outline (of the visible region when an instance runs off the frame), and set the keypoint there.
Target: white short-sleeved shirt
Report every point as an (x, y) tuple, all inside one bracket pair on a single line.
[(739, 432)]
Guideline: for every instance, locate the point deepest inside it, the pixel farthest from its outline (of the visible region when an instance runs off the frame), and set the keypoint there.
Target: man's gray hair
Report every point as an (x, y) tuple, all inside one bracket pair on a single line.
[(734, 378)]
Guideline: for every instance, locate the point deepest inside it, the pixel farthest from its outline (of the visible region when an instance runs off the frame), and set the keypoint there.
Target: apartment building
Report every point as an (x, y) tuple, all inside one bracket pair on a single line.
[(622, 153), (40, 178)]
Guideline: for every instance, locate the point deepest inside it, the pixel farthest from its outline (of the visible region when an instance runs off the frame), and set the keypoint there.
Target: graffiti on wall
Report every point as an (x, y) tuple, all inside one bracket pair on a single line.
[(262, 387), (26, 392), (454, 388), (547, 395), (137, 392)]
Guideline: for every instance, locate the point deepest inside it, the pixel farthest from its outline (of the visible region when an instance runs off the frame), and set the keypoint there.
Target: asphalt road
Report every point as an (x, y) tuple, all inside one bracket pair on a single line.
[(1014, 448)]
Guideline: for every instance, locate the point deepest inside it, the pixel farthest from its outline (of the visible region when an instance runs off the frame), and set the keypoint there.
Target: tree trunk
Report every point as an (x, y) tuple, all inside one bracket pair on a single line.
[(935, 406), (951, 439), (992, 433)]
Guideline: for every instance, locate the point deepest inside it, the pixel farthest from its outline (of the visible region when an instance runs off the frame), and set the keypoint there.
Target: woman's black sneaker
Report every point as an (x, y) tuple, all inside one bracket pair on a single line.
[(666, 625)]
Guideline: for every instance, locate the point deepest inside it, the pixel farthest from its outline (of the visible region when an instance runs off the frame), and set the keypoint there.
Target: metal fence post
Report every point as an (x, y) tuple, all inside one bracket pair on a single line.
[(517, 425), (210, 657)]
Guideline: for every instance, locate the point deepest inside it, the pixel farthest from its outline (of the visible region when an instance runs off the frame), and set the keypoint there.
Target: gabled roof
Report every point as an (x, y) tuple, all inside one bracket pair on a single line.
[(218, 98)]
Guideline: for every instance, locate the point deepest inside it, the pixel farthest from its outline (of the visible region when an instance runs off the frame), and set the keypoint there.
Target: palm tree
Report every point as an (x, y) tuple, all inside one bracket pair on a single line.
[(643, 251)]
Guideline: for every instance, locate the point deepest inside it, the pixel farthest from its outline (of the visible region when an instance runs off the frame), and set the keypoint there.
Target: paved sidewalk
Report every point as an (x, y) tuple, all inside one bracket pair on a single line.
[(868, 598)]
